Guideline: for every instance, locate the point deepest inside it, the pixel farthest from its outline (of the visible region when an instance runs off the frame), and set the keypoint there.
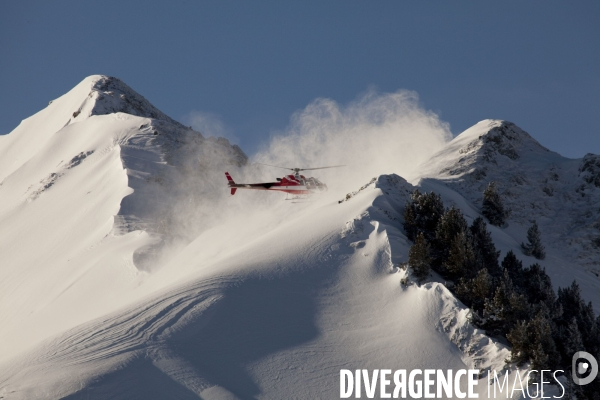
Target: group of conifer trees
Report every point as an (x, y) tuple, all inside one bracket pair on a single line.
[(506, 299)]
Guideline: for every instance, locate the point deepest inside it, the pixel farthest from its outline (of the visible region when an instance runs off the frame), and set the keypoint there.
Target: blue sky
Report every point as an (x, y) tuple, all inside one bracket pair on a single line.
[(247, 66)]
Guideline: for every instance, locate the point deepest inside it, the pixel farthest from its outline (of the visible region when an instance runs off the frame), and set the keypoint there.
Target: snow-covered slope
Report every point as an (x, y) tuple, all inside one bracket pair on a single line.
[(95, 95), (66, 236), (176, 290), (274, 317)]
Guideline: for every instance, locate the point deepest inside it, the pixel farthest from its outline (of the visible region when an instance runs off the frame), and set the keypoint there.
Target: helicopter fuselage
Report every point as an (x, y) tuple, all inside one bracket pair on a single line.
[(294, 184)]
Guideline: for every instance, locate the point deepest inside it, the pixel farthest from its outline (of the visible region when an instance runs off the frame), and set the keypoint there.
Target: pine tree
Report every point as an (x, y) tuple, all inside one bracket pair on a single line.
[(450, 225), (474, 292), (545, 354), (461, 259), (534, 245), (539, 360), (588, 328), (514, 267), (503, 311), (422, 214), (419, 257), (522, 348), (518, 309), (571, 340), (486, 255), (481, 286), (573, 306), (571, 302), (538, 286), (533, 341), (493, 208), (576, 311), (410, 219)]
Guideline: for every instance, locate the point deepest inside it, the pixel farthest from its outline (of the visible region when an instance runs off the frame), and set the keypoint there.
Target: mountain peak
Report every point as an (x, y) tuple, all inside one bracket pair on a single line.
[(534, 182), (498, 137), (94, 95), (487, 144), (107, 95)]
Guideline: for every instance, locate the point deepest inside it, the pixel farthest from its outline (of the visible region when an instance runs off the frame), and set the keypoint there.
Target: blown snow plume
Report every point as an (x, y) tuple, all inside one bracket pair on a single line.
[(375, 134)]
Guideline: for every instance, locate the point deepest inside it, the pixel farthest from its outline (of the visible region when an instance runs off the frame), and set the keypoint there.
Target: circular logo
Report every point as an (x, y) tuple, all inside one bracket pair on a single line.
[(583, 367)]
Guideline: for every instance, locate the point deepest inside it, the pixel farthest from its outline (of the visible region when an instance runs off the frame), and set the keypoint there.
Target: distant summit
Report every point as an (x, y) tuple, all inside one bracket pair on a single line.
[(534, 182), (486, 145)]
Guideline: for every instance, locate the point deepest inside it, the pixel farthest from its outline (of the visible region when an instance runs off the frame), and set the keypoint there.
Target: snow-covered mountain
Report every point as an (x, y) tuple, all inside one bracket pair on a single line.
[(561, 194), (126, 270), (77, 181)]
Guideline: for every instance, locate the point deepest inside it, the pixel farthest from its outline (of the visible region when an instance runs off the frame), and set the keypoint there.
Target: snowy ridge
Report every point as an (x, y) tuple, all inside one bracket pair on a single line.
[(70, 224), (95, 95), (335, 289), (479, 351), (265, 304)]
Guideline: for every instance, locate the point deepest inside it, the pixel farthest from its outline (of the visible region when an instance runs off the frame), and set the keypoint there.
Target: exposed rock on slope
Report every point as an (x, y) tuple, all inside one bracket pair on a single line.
[(109, 95), (589, 169)]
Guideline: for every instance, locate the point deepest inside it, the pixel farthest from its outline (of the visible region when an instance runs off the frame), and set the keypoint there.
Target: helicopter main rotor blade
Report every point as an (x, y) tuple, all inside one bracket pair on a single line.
[(299, 169), (312, 169), (276, 166)]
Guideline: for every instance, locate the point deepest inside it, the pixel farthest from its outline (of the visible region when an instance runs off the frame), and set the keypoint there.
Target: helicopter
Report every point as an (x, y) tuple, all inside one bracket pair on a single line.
[(294, 184)]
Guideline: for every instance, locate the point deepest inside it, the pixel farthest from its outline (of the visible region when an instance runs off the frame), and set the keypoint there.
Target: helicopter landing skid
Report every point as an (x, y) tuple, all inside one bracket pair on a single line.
[(298, 198)]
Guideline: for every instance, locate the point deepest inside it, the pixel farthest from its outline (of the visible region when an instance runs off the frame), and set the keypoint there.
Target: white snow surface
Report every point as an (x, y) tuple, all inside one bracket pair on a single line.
[(68, 231), (270, 303)]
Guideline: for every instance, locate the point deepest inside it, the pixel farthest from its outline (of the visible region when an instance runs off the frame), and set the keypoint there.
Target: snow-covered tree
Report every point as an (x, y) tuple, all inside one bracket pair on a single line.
[(534, 246), (419, 258), (493, 208)]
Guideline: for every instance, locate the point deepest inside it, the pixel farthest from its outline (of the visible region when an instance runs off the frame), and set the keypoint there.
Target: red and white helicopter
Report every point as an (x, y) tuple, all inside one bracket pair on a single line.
[(295, 184)]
